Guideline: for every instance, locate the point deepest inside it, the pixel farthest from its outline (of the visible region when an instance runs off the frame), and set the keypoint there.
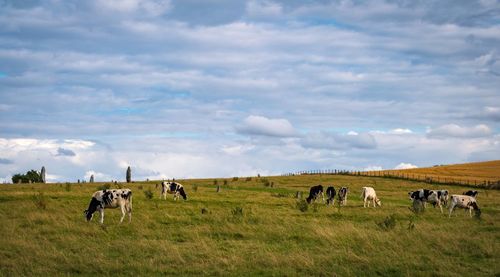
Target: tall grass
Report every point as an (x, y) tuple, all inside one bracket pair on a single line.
[(244, 230)]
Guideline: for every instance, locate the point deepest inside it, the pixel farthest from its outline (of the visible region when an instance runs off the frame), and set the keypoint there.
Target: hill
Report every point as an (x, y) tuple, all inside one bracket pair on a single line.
[(253, 226), (484, 174)]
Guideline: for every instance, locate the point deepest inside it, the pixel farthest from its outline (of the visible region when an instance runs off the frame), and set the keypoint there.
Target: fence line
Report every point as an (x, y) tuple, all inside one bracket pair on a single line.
[(427, 178)]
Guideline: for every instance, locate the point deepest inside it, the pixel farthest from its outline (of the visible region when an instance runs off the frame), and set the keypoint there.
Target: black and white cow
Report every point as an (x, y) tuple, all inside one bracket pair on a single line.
[(330, 195), (465, 202), (443, 196), (426, 196), (314, 193), (172, 188), (472, 193), (110, 198), (343, 195)]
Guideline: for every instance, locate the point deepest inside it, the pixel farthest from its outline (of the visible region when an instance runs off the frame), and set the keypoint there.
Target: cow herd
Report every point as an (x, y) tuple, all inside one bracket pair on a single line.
[(122, 198)]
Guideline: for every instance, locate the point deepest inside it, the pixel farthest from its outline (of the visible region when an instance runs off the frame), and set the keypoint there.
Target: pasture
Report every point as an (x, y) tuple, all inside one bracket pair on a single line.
[(248, 228)]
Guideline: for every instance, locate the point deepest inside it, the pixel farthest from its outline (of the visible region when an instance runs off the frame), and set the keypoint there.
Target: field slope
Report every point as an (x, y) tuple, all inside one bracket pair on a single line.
[(248, 228)]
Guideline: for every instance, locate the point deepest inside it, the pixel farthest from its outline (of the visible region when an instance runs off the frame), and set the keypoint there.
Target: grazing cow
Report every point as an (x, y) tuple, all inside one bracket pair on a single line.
[(343, 195), (369, 193), (172, 188), (465, 202), (110, 198), (330, 195), (314, 192), (425, 195), (472, 193), (443, 196)]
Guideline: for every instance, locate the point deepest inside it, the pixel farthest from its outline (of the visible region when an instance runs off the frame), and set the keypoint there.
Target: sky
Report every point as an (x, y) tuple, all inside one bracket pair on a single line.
[(221, 88)]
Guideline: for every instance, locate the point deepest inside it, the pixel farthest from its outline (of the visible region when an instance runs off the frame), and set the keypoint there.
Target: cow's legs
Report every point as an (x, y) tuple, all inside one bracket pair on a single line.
[(451, 209), (122, 208), (101, 213)]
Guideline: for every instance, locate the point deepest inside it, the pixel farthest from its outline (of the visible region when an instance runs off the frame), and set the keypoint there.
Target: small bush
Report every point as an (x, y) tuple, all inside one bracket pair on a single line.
[(248, 179), (140, 187), (67, 186), (194, 187), (302, 205), (389, 223), (225, 182), (411, 223), (316, 207), (235, 179), (103, 187), (204, 211), (40, 200), (237, 211), (149, 194)]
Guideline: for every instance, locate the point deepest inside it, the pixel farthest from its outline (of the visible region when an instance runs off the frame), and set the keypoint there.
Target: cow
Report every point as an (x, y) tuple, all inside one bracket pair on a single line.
[(172, 188), (465, 202), (110, 198), (330, 195), (369, 193), (443, 196), (472, 193), (343, 195), (426, 196), (314, 192)]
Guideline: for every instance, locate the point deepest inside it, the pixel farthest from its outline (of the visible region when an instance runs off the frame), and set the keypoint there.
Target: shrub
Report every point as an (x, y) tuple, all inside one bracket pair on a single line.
[(149, 194), (140, 187), (67, 186), (235, 179), (215, 182), (204, 211), (31, 176), (40, 200), (194, 187), (103, 187), (389, 223), (316, 207), (237, 211), (302, 205), (225, 182), (248, 179)]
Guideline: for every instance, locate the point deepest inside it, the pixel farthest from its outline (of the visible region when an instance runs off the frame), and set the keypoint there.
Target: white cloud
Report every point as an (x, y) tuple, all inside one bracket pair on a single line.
[(372, 168), (260, 8), (454, 130), (237, 149), (400, 131), (260, 125), (328, 140), (405, 166)]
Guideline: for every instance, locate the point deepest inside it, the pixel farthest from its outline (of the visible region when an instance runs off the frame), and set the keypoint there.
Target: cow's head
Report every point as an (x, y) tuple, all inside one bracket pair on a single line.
[(89, 212), (411, 195), (378, 202), (88, 215)]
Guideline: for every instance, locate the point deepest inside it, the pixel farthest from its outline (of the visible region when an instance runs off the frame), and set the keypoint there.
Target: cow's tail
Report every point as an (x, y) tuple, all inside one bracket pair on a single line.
[(183, 193)]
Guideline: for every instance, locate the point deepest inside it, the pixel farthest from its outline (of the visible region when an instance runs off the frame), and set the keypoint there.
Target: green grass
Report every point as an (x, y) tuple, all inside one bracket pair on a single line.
[(247, 228)]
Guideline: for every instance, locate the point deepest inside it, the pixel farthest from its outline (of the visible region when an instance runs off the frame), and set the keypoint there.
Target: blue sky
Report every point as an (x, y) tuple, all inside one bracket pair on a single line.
[(226, 88)]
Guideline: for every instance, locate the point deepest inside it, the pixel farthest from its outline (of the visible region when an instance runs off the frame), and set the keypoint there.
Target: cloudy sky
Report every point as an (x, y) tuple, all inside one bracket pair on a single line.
[(221, 88)]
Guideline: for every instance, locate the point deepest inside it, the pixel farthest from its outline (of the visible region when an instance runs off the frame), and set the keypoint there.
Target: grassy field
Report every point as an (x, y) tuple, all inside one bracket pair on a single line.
[(248, 228), (473, 172)]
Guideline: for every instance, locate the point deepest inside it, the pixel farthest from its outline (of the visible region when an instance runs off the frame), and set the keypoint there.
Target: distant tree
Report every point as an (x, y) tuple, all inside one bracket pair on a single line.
[(31, 176), (129, 175), (42, 174), (91, 178)]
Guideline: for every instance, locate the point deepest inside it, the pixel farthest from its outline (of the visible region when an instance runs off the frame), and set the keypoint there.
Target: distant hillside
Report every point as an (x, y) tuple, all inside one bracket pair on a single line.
[(479, 172)]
